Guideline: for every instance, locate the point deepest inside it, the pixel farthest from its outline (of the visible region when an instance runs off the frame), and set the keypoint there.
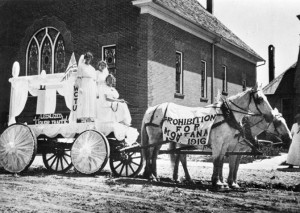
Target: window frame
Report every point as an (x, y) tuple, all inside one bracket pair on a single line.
[(224, 80), (102, 53), (244, 84), (180, 92), (40, 48), (203, 96)]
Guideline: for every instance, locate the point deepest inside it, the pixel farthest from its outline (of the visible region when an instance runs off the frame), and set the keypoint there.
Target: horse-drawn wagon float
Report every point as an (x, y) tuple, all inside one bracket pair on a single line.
[(63, 142), (57, 136)]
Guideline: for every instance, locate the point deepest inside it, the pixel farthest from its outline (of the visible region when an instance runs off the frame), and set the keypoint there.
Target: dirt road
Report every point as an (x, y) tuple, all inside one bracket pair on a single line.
[(263, 190)]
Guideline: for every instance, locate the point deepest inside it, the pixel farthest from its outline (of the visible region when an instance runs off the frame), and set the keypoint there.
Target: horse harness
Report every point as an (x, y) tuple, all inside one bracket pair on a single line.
[(150, 123), (229, 118)]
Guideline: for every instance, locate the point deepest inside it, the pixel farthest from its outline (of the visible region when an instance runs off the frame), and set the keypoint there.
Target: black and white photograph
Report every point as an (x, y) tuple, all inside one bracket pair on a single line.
[(129, 106)]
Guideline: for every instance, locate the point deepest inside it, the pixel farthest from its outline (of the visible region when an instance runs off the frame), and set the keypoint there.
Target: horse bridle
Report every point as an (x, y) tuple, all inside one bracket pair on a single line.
[(275, 121), (256, 103)]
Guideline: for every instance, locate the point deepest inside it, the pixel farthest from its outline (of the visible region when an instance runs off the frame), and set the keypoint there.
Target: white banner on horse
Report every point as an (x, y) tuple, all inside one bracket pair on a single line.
[(187, 125)]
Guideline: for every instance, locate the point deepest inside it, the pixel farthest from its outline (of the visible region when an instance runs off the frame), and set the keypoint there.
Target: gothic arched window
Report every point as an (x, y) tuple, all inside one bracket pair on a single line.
[(45, 51), (33, 58)]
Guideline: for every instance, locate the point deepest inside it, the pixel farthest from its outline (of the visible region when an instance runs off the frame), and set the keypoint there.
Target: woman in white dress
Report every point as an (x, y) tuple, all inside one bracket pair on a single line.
[(111, 108), (293, 158), (101, 75), (86, 82)]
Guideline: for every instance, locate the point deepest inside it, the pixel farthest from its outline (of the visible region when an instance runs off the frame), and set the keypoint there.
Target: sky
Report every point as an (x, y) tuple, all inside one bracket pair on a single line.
[(260, 23)]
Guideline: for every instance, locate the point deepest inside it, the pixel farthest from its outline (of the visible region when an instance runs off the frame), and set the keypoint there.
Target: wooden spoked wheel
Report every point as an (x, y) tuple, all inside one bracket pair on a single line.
[(59, 160), (17, 148), (126, 164), (90, 152)]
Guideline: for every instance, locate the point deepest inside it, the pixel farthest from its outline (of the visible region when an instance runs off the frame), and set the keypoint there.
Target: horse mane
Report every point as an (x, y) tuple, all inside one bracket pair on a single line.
[(241, 94)]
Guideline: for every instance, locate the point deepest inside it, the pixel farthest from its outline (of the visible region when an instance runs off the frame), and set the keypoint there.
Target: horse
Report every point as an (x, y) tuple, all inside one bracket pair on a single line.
[(252, 100), (277, 128), (257, 125)]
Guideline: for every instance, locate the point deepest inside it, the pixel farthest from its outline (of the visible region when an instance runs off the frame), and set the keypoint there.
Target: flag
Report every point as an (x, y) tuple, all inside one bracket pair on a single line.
[(72, 67)]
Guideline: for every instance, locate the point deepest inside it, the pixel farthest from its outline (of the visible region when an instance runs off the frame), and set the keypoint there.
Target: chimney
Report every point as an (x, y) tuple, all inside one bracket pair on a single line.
[(210, 6), (271, 62)]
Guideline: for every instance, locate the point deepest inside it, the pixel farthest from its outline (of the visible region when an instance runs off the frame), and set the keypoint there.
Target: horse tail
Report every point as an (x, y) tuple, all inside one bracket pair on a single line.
[(144, 140)]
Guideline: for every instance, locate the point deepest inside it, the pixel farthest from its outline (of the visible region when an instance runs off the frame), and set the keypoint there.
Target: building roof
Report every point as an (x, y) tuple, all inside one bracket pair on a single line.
[(271, 88), (193, 11)]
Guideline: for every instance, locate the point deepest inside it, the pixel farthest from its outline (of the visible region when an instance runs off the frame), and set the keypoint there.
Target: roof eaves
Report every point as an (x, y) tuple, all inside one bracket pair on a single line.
[(268, 90), (251, 52)]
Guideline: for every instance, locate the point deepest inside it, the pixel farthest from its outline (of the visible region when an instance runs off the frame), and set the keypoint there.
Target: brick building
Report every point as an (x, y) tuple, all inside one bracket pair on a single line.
[(159, 50)]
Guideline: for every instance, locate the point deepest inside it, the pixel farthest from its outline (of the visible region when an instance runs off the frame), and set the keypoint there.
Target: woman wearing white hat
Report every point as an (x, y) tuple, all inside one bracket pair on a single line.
[(293, 158)]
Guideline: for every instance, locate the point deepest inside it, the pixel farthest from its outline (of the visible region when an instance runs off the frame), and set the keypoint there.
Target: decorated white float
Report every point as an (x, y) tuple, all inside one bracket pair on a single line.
[(57, 136)]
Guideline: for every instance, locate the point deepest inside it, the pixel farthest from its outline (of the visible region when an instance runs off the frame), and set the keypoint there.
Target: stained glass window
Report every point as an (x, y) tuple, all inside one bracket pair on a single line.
[(33, 58), (59, 62), (46, 56), (46, 51), (40, 35), (109, 55)]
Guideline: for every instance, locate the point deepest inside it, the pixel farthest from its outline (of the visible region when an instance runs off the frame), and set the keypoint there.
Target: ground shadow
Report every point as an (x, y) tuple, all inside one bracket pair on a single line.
[(289, 169), (41, 171), (167, 182)]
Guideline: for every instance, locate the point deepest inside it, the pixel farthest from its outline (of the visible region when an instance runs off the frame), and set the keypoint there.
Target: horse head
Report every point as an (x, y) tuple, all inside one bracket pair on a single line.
[(259, 104), (279, 127)]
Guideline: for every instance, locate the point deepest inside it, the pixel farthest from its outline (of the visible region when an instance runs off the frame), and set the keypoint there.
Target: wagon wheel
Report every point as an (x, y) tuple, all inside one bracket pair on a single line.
[(90, 152), (127, 163), (59, 160), (17, 148)]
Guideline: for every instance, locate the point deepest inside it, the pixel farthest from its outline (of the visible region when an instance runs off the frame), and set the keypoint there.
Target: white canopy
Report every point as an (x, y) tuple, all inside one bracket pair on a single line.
[(43, 87)]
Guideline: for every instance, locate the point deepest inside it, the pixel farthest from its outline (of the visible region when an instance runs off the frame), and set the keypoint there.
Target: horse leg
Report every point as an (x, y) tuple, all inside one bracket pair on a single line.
[(224, 184), (145, 151), (153, 163), (147, 170), (232, 161), (174, 160), (236, 168), (175, 164), (184, 165), (218, 161), (154, 135), (215, 179)]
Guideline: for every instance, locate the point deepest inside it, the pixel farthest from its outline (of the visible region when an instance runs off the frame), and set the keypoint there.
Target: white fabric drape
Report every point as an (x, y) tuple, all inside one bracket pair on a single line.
[(66, 130), (46, 101), (120, 131), (21, 86), (19, 95), (67, 91)]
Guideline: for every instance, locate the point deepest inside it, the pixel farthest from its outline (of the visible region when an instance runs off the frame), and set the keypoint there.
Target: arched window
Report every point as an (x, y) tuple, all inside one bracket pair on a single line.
[(45, 51)]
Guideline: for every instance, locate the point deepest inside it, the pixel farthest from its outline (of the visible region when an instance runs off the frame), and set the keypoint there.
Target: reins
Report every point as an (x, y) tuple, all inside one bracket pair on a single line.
[(246, 112), (232, 122)]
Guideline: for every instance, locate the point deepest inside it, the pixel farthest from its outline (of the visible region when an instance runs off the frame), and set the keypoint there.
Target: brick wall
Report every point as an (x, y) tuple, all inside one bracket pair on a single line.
[(145, 49), (164, 40), (238, 70)]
